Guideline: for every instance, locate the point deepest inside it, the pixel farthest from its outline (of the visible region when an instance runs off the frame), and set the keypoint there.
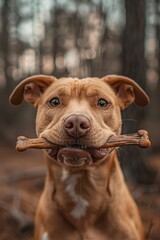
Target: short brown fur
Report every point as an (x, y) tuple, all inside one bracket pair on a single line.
[(108, 210)]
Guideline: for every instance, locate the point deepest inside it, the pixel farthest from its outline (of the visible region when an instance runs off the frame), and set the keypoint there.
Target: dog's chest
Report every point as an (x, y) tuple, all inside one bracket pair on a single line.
[(91, 234), (73, 190)]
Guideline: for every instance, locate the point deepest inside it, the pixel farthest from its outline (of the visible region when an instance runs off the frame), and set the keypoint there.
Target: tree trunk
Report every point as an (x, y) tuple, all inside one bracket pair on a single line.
[(134, 66), (5, 46)]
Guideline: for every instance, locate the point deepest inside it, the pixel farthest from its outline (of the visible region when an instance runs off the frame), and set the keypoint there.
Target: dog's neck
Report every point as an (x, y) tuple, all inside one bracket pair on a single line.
[(81, 195)]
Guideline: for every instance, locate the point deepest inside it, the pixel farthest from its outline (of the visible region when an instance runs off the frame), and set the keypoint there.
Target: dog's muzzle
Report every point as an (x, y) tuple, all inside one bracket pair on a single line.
[(77, 127)]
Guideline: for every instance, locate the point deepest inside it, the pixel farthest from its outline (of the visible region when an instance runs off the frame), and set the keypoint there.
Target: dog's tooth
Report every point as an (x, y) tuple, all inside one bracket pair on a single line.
[(83, 147), (48, 151)]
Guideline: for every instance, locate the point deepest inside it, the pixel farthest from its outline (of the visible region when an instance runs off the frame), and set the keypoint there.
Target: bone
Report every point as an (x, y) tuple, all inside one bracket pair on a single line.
[(140, 138), (24, 143)]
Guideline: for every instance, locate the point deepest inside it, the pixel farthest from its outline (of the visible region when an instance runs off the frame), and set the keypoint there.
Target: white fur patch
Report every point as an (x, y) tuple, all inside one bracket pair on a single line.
[(80, 203), (45, 236), (65, 175)]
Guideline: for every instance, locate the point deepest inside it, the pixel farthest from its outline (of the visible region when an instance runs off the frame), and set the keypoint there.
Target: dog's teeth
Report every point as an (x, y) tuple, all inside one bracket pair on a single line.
[(84, 147), (81, 147), (48, 151), (77, 146)]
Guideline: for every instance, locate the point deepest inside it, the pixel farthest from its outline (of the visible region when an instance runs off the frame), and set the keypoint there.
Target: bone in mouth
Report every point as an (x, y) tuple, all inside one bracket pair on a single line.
[(140, 138)]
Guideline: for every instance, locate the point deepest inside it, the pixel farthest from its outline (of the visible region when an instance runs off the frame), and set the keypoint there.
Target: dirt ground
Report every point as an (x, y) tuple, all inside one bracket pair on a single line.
[(21, 183)]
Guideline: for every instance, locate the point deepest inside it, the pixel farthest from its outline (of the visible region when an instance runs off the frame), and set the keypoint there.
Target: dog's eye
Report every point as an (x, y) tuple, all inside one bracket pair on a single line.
[(54, 102), (102, 103)]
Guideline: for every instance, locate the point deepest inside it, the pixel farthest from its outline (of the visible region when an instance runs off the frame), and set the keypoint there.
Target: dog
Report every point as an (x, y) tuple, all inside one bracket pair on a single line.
[(85, 196)]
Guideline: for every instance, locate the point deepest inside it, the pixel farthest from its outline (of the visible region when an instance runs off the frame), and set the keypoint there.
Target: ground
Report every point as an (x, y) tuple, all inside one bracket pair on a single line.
[(21, 183)]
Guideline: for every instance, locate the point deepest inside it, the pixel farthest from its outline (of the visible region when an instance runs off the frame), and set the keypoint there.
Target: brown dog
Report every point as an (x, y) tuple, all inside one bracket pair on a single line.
[(85, 196)]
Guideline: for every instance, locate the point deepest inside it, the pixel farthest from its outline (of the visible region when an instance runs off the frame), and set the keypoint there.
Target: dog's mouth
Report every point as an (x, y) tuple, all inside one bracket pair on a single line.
[(78, 155)]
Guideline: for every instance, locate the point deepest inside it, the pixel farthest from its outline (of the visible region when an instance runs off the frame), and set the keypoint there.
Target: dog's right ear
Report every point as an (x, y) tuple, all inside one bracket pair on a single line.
[(30, 89)]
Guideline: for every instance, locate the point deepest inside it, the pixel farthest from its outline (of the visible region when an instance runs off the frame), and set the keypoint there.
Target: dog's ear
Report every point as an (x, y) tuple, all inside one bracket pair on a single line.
[(30, 89), (127, 90)]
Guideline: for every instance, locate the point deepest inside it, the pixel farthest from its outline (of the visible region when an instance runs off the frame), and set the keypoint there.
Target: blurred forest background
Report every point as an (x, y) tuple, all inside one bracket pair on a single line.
[(78, 38)]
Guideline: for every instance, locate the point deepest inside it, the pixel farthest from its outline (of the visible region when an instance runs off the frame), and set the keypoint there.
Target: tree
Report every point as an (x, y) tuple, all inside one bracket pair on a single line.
[(134, 66), (5, 45)]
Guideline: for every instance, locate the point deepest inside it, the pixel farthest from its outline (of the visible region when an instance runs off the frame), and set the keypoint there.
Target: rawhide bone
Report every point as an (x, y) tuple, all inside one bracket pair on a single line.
[(140, 138)]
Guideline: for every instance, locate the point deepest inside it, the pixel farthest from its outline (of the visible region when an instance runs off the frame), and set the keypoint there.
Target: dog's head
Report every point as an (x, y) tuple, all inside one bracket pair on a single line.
[(78, 115)]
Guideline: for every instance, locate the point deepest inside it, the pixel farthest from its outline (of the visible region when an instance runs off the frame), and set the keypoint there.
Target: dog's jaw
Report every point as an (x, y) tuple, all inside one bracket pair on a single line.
[(78, 156)]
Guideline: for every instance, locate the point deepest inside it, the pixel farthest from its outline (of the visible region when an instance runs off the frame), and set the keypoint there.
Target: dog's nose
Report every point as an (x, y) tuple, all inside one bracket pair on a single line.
[(77, 125)]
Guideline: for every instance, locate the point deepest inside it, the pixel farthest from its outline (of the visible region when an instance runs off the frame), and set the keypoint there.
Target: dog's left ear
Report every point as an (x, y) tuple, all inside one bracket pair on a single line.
[(30, 89), (127, 90)]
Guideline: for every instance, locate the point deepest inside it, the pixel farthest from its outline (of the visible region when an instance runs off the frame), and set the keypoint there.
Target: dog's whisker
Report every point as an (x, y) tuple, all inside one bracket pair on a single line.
[(129, 120)]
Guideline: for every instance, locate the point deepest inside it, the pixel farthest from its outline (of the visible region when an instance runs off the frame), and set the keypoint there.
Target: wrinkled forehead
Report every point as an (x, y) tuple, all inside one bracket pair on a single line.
[(77, 87)]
